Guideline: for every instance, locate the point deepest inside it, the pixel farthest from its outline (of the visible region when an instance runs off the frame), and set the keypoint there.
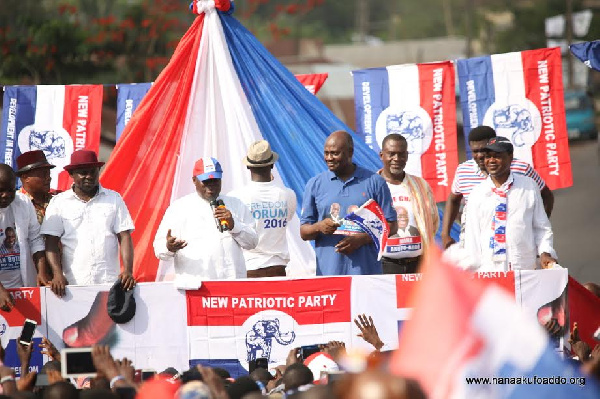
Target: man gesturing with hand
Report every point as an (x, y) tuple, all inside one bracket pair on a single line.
[(204, 238)]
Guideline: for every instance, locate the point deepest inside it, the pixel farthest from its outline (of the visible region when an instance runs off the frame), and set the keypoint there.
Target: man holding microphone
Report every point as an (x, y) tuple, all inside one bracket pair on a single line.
[(204, 233)]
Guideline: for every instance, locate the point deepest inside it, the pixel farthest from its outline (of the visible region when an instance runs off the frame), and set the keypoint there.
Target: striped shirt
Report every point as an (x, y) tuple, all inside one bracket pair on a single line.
[(468, 176)]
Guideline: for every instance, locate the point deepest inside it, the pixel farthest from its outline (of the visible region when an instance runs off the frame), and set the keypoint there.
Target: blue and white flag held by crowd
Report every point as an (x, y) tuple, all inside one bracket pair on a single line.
[(588, 53), (370, 218)]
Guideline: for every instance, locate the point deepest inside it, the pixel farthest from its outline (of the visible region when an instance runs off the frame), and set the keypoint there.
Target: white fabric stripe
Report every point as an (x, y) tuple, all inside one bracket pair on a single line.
[(509, 84), (50, 106), (405, 92), (404, 85), (509, 87), (220, 124), (49, 115)]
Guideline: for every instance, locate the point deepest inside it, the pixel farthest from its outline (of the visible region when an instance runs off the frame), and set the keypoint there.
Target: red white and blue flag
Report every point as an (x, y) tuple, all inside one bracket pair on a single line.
[(231, 323), (520, 95), (220, 92), (418, 102), (55, 119), (371, 220), (490, 348)]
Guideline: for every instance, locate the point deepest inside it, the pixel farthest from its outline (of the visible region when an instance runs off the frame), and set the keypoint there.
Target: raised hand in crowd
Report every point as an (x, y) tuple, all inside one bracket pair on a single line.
[(214, 383), (7, 376), (126, 369), (579, 348), (173, 244), (335, 349), (6, 300), (107, 367), (24, 352), (49, 349), (553, 328), (368, 331), (293, 357)]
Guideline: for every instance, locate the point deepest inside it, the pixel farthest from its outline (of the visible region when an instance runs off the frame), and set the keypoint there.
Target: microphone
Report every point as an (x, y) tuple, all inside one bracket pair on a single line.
[(224, 225), (214, 204)]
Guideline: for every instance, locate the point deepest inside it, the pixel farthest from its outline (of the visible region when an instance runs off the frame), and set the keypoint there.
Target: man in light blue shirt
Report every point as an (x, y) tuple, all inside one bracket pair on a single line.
[(340, 246)]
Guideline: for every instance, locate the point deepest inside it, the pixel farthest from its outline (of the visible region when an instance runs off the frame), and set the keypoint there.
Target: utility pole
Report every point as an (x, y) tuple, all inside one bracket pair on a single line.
[(569, 31), (362, 19)]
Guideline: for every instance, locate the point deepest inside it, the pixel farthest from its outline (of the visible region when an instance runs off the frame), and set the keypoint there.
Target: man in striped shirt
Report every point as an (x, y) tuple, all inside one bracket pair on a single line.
[(472, 172)]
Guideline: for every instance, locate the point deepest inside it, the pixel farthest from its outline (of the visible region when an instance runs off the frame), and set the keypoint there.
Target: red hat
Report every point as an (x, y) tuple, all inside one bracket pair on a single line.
[(83, 159), (31, 160)]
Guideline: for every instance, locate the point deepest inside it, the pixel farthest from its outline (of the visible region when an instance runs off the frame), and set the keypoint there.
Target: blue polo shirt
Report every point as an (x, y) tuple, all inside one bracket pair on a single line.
[(325, 196)]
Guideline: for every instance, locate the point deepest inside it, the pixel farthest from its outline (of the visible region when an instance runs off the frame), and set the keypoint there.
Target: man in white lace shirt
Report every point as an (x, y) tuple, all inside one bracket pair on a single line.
[(192, 234), (508, 226)]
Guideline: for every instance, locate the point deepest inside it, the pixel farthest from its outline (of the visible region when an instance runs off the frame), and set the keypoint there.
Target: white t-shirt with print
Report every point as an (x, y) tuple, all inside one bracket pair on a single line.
[(10, 253), (407, 243)]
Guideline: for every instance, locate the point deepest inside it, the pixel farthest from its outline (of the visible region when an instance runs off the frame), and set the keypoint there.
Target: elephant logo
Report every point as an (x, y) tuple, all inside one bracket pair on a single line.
[(259, 340), (56, 143), (414, 123), (518, 121)]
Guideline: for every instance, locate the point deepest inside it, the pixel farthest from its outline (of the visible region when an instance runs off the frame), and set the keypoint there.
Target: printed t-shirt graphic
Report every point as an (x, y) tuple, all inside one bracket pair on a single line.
[(407, 243), (10, 259)]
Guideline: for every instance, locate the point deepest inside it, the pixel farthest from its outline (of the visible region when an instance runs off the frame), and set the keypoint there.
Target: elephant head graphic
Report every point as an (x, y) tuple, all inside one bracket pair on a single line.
[(259, 340)]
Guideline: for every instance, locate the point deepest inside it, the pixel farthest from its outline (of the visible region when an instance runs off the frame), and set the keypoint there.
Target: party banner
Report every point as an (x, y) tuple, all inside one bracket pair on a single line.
[(55, 119), (521, 96), (418, 102), (233, 323), (28, 305)]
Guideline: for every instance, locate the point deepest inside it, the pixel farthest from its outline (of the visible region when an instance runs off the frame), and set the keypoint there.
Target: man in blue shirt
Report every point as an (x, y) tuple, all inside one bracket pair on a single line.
[(340, 246)]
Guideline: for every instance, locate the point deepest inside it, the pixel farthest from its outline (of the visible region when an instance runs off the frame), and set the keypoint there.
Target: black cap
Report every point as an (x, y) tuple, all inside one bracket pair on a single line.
[(121, 304), (499, 144)]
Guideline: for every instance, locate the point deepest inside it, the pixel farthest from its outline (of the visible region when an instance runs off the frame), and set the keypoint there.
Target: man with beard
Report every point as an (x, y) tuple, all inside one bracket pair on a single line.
[(340, 247), (413, 200), (93, 225)]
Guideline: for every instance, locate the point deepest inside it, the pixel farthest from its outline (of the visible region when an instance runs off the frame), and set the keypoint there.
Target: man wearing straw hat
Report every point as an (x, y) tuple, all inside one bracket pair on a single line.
[(272, 207)]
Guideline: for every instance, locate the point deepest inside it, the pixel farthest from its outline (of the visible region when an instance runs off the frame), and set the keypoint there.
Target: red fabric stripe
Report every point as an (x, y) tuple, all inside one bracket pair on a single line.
[(144, 161), (82, 118), (440, 160), (551, 151), (584, 309), (313, 82)]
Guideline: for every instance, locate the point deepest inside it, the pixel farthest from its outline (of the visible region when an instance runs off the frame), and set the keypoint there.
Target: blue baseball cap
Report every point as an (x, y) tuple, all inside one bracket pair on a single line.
[(207, 168)]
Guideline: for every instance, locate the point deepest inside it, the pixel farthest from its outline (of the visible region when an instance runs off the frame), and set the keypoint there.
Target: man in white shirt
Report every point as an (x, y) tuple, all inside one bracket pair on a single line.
[(22, 245), (205, 239), (272, 207), (93, 225), (508, 226)]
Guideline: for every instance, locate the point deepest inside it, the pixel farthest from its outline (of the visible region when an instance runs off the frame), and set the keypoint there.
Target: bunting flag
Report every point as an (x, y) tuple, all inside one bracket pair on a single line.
[(521, 96), (588, 53), (418, 102), (369, 217), (130, 95), (491, 349), (55, 119), (220, 92)]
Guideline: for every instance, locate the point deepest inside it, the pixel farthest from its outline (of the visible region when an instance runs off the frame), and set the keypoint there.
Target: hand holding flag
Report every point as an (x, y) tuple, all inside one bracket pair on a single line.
[(369, 217)]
